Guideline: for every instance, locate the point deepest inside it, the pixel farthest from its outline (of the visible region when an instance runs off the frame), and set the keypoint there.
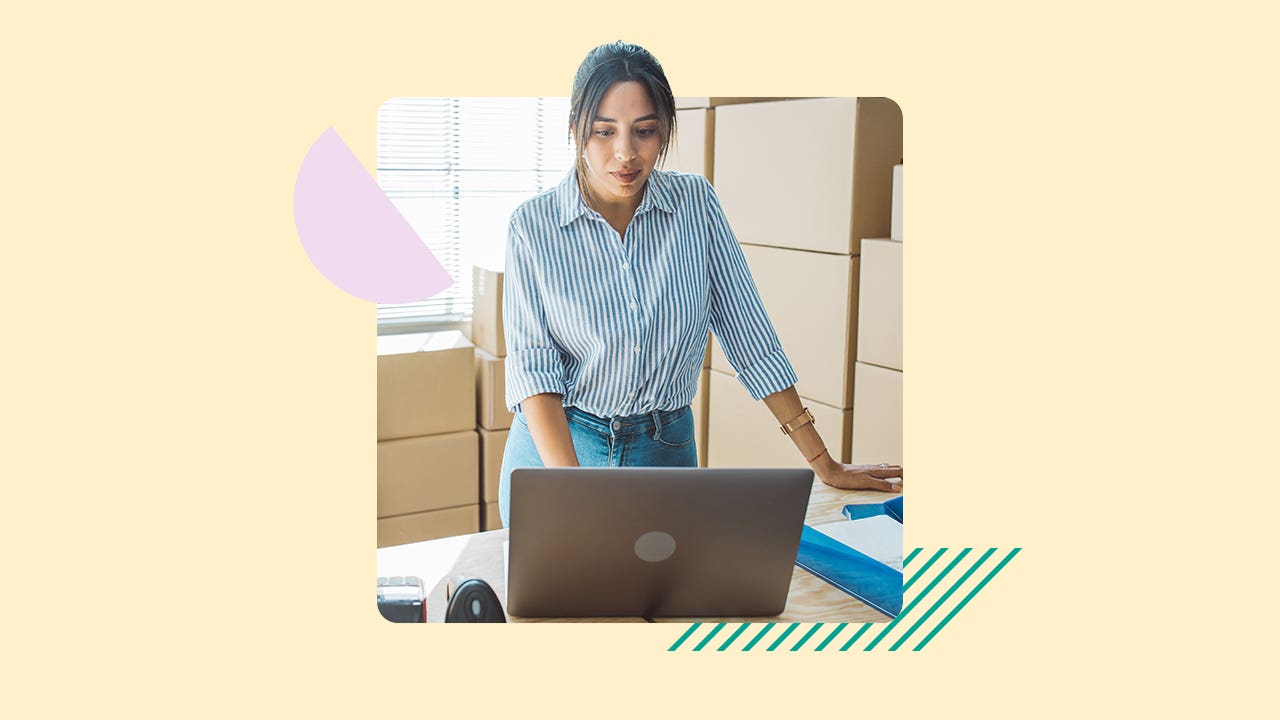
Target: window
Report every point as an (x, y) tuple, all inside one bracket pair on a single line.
[(456, 168)]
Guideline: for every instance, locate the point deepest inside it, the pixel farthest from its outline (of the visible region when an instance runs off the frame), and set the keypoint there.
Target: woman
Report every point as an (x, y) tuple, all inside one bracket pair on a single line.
[(613, 279)]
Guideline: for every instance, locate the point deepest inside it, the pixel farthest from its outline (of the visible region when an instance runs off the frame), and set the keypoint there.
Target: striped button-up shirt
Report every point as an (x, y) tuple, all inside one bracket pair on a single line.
[(618, 325)]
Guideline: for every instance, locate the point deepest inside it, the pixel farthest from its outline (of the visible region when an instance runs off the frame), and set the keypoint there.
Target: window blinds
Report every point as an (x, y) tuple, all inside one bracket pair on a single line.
[(456, 168)]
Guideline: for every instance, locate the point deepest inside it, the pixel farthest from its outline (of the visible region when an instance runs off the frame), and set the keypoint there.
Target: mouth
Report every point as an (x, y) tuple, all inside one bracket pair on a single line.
[(626, 178)]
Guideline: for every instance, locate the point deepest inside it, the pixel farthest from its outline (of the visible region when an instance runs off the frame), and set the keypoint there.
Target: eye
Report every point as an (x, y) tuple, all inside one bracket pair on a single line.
[(603, 132), (646, 132)]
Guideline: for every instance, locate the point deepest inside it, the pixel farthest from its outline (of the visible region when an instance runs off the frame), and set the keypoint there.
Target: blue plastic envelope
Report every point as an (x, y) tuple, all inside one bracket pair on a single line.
[(862, 576), (892, 508)]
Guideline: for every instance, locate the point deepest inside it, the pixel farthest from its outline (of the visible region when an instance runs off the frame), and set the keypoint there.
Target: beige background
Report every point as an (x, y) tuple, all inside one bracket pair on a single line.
[(189, 410)]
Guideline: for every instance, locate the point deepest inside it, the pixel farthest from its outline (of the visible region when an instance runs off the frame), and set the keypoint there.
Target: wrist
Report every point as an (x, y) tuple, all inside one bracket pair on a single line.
[(823, 463)]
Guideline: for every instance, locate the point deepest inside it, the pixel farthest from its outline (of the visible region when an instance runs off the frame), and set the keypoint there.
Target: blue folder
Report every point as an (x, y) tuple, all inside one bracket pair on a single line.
[(892, 508), (863, 577)]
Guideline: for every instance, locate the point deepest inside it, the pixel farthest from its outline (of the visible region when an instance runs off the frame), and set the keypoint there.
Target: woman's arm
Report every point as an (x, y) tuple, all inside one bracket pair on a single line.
[(750, 344), (736, 314), (785, 406), (535, 383), (550, 430)]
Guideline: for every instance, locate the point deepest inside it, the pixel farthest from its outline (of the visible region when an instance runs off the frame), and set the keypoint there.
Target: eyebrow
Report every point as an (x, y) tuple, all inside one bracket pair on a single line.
[(650, 116)]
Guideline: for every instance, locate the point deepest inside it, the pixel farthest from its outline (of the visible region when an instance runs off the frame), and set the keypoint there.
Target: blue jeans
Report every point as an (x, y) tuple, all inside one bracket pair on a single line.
[(664, 438)]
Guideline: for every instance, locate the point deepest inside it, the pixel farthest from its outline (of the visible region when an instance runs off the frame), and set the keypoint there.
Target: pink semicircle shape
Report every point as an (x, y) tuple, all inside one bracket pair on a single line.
[(353, 233)]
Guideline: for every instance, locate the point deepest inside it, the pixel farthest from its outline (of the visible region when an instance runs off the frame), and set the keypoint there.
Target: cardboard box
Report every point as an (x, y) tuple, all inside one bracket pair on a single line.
[(895, 224), (691, 151), (877, 416), (491, 392), (687, 103), (808, 174), (492, 443), (428, 473), (490, 518), (743, 433), (880, 304), (425, 383), (486, 311), (811, 299), (417, 527)]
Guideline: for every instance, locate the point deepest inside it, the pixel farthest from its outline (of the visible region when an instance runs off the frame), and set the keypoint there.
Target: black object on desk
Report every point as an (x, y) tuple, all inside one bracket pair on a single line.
[(471, 600), (401, 599)]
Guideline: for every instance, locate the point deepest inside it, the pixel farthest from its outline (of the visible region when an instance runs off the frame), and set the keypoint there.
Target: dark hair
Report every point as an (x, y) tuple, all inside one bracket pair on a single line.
[(603, 67)]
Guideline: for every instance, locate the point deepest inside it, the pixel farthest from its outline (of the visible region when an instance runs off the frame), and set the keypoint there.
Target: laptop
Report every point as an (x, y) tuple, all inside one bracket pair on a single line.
[(653, 542)]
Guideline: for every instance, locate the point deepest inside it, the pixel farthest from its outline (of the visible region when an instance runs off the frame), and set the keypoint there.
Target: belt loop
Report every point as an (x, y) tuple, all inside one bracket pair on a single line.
[(657, 423)]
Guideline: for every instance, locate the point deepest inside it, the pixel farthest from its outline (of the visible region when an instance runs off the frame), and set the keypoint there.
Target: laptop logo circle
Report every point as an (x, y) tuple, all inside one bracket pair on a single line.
[(655, 546)]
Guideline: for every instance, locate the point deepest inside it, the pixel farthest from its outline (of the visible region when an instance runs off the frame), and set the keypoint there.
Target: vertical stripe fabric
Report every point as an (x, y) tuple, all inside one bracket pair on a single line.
[(618, 325)]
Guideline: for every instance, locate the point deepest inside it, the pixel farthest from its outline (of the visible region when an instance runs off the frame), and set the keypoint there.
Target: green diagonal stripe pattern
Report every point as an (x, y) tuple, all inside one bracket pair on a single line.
[(911, 556), (756, 639), (916, 601), (919, 615), (707, 639), (684, 637), (861, 631), (790, 629), (920, 573), (942, 599), (732, 637), (830, 637), (960, 606), (806, 636)]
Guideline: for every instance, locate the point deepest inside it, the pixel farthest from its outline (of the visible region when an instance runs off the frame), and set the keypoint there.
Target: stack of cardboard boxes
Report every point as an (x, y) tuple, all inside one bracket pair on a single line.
[(428, 450), (494, 421), (877, 413), (801, 181)]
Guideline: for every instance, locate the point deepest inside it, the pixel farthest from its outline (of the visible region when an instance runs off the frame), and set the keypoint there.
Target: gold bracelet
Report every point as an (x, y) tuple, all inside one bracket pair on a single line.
[(798, 422)]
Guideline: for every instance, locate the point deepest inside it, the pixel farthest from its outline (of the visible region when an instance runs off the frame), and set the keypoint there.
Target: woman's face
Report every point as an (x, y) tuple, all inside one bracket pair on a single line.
[(624, 144)]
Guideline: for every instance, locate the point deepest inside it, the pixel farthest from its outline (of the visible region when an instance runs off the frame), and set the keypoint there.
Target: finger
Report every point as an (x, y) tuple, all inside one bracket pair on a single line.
[(883, 485), (893, 471)]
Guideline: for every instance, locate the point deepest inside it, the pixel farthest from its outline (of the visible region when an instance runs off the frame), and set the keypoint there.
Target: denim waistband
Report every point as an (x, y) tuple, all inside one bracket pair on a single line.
[(623, 425)]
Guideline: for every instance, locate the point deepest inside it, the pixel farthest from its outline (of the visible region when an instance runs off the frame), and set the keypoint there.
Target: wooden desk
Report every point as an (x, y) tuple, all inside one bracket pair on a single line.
[(810, 598)]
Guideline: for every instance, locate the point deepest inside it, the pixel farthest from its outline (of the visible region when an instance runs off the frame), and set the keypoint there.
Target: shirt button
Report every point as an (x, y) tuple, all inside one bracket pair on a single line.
[(633, 305), (631, 394), (625, 267), (617, 424), (636, 349)]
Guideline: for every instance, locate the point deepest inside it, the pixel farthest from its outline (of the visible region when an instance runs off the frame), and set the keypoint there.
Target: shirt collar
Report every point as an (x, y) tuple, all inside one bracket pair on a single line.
[(656, 195)]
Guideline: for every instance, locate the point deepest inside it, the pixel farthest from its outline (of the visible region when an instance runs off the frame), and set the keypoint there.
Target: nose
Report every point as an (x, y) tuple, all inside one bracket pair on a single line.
[(624, 150)]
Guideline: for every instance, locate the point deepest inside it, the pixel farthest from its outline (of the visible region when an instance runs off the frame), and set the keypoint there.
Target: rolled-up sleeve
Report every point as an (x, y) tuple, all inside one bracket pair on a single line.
[(738, 317), (533, 361)]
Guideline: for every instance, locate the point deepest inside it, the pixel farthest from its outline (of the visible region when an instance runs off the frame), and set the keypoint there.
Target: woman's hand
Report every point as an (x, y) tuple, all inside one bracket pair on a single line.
[(858, 477)]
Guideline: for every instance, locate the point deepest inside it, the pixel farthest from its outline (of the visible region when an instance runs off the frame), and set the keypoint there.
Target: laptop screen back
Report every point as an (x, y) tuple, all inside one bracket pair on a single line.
[(653, 542)]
